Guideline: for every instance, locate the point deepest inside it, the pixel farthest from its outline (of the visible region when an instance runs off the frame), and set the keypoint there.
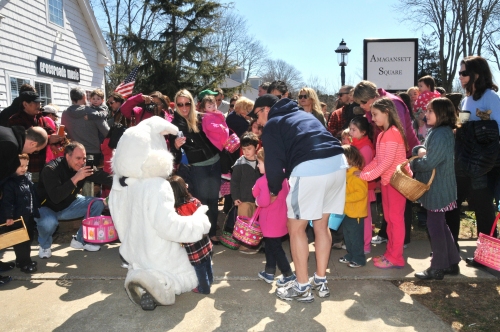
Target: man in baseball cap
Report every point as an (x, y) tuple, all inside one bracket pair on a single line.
[(267, 100), (299, 147)]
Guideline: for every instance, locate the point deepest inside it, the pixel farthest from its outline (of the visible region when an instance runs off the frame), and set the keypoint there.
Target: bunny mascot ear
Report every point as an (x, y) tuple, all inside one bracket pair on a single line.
[(142, 150)]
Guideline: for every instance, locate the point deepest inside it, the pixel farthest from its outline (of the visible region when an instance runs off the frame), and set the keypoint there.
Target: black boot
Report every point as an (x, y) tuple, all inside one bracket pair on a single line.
[(430, 274), (453, 270), (471, 262)]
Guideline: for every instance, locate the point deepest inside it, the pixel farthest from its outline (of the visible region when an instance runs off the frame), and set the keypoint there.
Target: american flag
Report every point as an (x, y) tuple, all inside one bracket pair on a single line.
[(125, 88)]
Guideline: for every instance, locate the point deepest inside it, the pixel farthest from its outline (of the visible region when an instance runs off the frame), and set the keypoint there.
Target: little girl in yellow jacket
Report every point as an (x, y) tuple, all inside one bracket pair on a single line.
[(355, 209)]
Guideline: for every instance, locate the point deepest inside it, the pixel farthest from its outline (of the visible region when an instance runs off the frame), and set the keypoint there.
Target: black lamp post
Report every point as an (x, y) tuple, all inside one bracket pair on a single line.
[(342, 53)]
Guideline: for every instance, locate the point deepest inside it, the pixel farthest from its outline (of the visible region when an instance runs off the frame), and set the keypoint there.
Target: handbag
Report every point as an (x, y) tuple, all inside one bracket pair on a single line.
[(116, 132), (247, 230), (99, 229), (488, 248), (14, 237), (334, 221), (227, 239)]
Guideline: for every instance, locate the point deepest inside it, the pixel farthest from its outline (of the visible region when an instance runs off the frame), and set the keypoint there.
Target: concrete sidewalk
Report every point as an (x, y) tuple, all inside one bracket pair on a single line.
[(75, 290)]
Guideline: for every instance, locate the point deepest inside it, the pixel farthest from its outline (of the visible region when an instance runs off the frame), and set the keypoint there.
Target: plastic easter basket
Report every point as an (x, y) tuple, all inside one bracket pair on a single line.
[(227, 239), (247, 230), (99, 229), (488, 248), (408, 186), (232, 143)]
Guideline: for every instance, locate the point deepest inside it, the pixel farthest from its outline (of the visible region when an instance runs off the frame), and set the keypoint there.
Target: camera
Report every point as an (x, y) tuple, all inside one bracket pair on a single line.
[(149, 107), (90, 162)]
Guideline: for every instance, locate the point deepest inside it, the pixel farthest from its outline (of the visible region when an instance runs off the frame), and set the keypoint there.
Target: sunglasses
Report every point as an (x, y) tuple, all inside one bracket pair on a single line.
[(302, 96), (231, 105), (111, 102), (257, 112), (463, 73), (217, 100), (182, 105)]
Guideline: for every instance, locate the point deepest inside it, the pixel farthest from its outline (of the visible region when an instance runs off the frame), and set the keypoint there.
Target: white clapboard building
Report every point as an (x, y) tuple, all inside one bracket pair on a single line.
[(54, 45)]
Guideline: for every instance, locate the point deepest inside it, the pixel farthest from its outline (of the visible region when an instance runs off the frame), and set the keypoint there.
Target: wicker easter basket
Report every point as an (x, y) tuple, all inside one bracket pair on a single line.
[(488, 248), (227, 239), (11, 238), (247, 230), (408, 186)]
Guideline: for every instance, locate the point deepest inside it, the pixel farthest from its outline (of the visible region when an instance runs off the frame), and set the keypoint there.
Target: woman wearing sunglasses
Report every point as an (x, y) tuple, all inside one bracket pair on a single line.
[(308, 100), (202, 156), (476, 78)]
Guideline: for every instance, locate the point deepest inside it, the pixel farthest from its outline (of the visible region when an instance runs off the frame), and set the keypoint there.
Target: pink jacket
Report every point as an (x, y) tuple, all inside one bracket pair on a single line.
[(273, 216), (215, 127), (390, 153)]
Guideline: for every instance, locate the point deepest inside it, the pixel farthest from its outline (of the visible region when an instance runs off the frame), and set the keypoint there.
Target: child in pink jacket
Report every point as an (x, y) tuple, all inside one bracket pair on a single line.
[(272, 219), (213, 122)]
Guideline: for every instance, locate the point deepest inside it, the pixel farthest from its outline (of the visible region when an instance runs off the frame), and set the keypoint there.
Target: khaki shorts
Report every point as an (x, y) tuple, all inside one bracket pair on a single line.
[(312, 196)]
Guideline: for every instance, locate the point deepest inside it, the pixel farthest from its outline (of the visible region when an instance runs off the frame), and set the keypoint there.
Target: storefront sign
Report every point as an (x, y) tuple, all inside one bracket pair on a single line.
[(51, 68), (391, 63)]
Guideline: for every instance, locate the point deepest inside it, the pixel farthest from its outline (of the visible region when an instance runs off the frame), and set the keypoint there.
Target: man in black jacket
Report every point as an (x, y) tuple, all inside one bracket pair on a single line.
[(15, 107), (13, 142), (60, 183)]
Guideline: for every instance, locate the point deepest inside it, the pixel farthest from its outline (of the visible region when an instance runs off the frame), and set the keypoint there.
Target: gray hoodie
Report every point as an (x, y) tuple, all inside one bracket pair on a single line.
[(83, 125)]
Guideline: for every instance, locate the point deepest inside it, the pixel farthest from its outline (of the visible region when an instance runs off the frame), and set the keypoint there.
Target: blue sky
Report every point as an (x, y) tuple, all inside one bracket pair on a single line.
[(306, 33)]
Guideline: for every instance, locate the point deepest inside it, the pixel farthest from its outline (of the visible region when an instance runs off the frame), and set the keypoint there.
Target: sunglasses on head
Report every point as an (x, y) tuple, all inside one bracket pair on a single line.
[(463, 73), (182, 105), (302, 96)]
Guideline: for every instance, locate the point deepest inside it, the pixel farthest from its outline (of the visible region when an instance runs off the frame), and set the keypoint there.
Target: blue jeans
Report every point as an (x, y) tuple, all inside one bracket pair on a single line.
[(354, 239), (49, 220), (205, 276), (206, 185)]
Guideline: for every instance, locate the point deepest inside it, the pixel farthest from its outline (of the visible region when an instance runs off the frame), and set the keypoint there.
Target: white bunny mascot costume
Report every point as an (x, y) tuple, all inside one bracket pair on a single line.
[(142, 205)]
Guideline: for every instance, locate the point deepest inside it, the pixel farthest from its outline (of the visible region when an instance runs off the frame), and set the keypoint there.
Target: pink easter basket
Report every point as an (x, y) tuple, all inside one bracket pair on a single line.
[(99, 229), (232, 143), (488, 248), (247, 230)]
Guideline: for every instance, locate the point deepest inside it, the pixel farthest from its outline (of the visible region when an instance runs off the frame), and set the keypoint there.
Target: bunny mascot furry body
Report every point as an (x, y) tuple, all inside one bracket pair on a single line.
[(142, 205)]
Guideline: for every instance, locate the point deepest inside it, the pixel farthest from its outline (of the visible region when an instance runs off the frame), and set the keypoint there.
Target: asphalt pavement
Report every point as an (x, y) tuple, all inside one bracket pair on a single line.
[(76, 290)]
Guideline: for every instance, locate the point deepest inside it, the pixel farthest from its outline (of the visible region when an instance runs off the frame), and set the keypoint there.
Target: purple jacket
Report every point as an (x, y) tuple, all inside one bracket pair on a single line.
[(404, 117), (273, 216)]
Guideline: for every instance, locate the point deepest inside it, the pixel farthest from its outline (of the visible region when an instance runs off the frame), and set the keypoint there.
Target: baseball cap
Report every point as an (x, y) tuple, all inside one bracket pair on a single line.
[(29, 96), (50, 109), (265, 100), (206, 92)]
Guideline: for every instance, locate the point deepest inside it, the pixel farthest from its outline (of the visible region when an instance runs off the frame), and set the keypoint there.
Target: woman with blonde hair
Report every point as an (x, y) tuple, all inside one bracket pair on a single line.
[(308, 100), (201, 154)]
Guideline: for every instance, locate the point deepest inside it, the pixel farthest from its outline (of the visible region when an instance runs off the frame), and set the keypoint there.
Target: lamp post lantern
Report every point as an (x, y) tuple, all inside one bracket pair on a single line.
[(342, 54)]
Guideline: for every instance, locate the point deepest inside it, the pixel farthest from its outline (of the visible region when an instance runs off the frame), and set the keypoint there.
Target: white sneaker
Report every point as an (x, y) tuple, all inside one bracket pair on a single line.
[(378, 239), (44, 253), (87, 246)]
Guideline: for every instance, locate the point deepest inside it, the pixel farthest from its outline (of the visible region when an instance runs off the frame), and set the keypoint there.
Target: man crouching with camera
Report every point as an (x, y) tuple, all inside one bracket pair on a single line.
[(59, 191)]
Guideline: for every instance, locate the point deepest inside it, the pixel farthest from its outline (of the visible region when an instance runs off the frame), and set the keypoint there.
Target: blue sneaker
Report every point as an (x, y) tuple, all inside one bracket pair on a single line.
[(294, 291), (283, 281), (269, 278)]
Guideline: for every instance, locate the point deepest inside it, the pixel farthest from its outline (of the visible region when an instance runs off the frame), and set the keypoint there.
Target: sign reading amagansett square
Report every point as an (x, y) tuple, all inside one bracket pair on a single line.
[(51, 68), (391, 63)]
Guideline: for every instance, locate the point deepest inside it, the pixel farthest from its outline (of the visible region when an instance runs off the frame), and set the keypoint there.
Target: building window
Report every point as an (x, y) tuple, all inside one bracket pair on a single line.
[(44, 91), (56, 12), (15, 86)]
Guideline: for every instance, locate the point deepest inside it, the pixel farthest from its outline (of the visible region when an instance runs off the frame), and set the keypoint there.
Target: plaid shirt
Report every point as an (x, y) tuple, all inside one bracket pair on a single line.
[(198, 252), (336, 122), (23, 119)]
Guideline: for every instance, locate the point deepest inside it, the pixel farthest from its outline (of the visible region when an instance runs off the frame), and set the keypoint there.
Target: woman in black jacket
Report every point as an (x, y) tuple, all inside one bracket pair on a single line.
[(202, 156)]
